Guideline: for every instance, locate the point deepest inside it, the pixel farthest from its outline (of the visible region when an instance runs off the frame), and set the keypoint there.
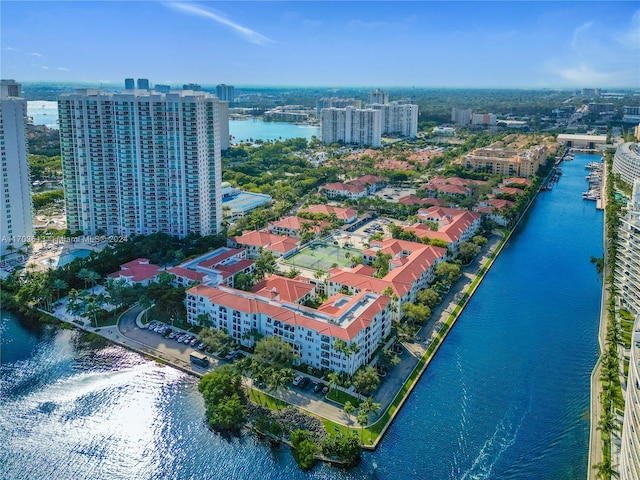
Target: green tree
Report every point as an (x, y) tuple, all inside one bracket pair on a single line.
[(304, 448), (275, 352), (416, 314), (428, 297), (59, 285), (265, 264), (349, 409), (366, 380), (479, 240), (333, 380), (369, 407), (216, 341), (344, 446), (222, 394), (468, 250), (243, 281), (448, 272)]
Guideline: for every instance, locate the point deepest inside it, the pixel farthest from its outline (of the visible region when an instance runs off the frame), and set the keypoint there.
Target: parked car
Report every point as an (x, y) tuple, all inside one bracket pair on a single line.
[(304, 382), (297, 380), (318, 386)]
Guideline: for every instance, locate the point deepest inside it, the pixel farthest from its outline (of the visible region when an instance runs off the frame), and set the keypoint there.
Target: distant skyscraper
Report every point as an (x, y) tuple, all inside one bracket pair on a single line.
[(129, 84), (143, 84), (378, 96), (17, 222), (162, 88), (226, 93), (461, 116), (398, 118), (141, 162), (192, 86), (351, 126)]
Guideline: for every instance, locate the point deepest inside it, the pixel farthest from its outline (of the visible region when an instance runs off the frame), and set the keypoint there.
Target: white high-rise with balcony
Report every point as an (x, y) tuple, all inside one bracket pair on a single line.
[(627, 281), (15, 214), (351, 126), (398, 118), (141, 162)]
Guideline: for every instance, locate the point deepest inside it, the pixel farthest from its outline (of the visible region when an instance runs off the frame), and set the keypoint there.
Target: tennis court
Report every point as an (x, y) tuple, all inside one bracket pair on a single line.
[(320, 256)]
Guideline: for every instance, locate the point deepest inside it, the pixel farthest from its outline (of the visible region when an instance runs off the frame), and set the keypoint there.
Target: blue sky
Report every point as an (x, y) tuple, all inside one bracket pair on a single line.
[(431, 44)]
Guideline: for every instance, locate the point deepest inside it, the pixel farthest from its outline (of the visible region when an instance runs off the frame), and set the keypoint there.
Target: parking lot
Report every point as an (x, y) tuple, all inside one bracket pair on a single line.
[(392, 194)]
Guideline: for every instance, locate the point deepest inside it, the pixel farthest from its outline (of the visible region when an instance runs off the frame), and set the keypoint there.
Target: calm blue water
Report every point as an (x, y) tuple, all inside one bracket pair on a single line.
[(505, 398), (43, 113), (242, 130), (72, 255)]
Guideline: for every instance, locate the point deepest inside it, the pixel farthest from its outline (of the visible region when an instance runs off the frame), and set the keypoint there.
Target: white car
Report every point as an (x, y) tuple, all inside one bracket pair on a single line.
[(297, 380)]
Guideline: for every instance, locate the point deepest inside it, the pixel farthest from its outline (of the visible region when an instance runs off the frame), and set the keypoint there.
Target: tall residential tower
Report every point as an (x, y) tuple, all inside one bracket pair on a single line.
[(140, 162), (16, 219)]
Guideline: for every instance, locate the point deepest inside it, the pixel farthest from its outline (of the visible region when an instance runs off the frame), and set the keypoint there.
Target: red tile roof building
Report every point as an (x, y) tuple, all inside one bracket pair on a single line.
[(254, 240), (284, 289), (362, 319), (293, 226), (219, 266), (137, 271), (347, 215), (454, 226)]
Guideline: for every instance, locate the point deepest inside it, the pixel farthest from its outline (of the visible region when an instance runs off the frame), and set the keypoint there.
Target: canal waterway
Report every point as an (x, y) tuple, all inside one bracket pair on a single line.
[(506, 397)]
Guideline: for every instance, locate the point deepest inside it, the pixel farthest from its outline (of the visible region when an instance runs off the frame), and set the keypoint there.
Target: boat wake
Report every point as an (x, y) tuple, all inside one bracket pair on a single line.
[(504, 436)]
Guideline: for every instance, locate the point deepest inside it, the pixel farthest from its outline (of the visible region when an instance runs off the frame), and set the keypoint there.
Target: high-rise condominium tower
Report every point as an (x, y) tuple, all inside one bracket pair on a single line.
[(140, 162), (16, 218), (226, 92)]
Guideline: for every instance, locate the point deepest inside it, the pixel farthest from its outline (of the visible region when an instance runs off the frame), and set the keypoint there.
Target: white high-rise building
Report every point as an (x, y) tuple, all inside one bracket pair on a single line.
[(627, 281), (398, 118), (461, 116), (140, 162), (16, 216), (351, 126), (226, 93), (378, 96)]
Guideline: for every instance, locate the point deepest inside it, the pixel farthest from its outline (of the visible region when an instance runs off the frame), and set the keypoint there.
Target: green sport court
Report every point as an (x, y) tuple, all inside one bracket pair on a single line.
[(320, 256)]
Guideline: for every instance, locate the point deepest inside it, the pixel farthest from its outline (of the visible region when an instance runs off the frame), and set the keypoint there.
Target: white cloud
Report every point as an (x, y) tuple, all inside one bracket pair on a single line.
[(35, 54), (577, 38), (44, 67), (11, 49), (631, 37), (63, 69), (247, 34), (584, 74)]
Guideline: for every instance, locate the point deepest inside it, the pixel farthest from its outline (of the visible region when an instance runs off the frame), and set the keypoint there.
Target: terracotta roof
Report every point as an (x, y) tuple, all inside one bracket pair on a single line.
[(295, 223), (137, 270), (187, 273), (343, 187), (367, 180), (516, 180), (341, 213), (413, 200), (451, 232), (235, 267), (275, 243), (508, 191), (252, 303), (211, 262), (289, 290)]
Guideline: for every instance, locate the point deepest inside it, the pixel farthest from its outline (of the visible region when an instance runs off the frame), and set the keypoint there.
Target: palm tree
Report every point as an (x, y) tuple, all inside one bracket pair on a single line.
[(333, 379), (349, 409), (73, 303), (604, 470), (59, 284), (369, 407), (93, 278), (84, 275), (362, 418)]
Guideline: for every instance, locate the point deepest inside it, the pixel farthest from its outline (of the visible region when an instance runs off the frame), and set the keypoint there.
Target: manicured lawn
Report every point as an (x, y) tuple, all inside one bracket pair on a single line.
[(342, 397), (260, 398)]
